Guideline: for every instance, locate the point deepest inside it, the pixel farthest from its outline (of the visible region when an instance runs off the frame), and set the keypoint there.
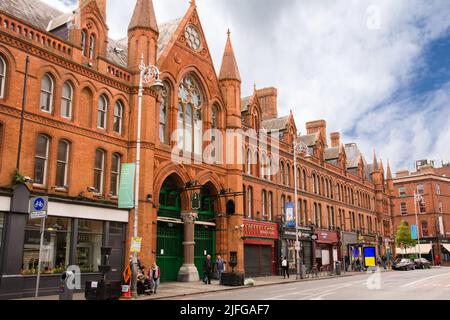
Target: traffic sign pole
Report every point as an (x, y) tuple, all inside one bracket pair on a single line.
[(40, 257)]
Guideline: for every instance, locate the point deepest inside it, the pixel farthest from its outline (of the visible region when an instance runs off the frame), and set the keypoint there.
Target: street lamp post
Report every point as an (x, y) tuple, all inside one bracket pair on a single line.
[(417, 199), (148, 74), (298, 147)]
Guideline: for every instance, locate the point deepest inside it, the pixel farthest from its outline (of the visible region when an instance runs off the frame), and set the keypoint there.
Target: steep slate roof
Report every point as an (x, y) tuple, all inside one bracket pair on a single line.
[(352, 151), (331, 153), (46, 17), (309, 139), (245, 103), (229, 69), (143, 16), (35, 12), (276, 124)]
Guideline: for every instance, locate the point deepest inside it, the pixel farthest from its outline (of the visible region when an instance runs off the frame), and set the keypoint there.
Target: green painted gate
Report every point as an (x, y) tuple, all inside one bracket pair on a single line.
[(205, 235), (205, 243), (169, 254), (169, 250)]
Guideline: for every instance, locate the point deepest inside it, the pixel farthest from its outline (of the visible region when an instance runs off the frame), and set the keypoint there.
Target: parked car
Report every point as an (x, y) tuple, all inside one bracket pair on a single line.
[(422, 263), (404, 264)]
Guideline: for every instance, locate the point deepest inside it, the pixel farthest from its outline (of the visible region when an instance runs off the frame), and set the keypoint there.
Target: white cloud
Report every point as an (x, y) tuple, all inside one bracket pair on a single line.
[(328, 64)]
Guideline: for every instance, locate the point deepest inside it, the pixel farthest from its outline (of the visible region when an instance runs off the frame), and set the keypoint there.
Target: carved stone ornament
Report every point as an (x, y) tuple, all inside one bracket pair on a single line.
[(189, 217)]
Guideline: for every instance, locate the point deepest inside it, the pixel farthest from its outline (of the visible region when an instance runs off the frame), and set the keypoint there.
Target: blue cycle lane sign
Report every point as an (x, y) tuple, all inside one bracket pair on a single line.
[(38, 207)]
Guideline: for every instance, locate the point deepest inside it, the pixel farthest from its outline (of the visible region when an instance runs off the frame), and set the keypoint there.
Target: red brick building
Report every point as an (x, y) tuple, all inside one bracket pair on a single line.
[(433, 218), (80, 127)]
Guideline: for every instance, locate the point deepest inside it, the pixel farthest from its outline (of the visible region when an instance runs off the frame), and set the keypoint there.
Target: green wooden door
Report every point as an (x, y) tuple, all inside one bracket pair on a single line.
[(205, 243), (169, 254)]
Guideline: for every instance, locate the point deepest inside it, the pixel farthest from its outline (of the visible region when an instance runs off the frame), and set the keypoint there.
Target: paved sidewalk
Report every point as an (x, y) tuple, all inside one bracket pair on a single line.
[(179, 289)]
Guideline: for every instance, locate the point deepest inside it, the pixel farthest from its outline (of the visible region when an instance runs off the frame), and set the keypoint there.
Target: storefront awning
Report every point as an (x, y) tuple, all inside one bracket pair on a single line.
[(446, 246), (5, 203), (424, 249)]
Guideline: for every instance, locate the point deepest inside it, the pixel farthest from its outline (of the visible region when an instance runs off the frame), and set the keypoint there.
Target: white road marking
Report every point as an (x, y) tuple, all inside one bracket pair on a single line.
[(409, 284)]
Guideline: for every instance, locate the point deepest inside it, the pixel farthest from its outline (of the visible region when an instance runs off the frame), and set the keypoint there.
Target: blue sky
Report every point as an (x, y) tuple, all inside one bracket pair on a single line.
[(378, 71)]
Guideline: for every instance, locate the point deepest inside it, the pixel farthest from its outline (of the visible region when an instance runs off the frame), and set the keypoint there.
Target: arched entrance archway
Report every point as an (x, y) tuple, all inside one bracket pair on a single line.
[(205, 227), (169, 252)]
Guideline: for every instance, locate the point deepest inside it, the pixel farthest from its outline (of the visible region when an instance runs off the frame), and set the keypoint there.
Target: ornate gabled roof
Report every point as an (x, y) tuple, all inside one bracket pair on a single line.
[(352, 151), (276, 124), (35, 12), (229, 69), (144, 16)]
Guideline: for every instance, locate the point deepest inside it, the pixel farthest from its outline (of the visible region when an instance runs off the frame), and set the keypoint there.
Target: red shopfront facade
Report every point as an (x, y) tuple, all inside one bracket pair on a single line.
[(260, 241), (327, 247)]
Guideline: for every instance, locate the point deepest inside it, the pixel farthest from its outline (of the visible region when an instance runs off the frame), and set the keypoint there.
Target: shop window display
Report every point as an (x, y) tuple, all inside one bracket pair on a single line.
[(89, 243), (55, 250), (2, 219)]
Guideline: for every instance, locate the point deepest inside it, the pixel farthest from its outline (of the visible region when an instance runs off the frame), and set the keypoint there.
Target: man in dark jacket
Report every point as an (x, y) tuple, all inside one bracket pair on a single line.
[(207, 268)]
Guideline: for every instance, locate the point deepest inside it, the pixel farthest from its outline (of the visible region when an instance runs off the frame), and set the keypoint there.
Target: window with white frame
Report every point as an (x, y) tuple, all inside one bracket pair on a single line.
[(270, 206), (41, 160), (403, 208), (2, 77), (263, 205), (402, 191), (163, 113), (102, 112), (115, 173), (47, 88), (91, 46), (99, 170), (66, 100), (83, 43), (438, 189), (118, 117), (250, 202), (62, 164), (420, 189)]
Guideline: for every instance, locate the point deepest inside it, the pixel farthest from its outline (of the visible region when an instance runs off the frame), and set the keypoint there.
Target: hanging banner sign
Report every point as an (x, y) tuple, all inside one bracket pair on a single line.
[(414, 234), (136, 245), (126, 188), (290, 218)]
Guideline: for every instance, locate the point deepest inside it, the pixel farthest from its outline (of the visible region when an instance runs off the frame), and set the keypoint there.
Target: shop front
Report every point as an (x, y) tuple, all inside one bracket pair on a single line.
[(260, 240), (288, 238), (73, 236), (326, 248), (348, 238)]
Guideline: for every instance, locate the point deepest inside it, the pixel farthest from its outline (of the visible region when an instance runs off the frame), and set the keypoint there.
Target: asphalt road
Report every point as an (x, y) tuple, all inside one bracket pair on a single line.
[(431, 284)]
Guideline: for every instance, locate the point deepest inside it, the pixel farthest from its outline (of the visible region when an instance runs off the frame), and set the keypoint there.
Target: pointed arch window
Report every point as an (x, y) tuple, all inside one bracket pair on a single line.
[(283, 174), (91, 46), (66, 100), (249, 162), (118, 117), (83, 42), (2, 77), (190, 116), (163, 113), (47, 88), (214, 131)]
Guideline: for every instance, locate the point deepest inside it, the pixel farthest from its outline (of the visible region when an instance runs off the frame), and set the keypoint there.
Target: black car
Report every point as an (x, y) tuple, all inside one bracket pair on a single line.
[(422, 263), (404, 264)]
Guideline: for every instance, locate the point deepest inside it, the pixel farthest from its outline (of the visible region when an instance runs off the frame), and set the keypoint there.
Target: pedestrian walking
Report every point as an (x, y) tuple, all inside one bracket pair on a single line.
[(285, 267), (437, 260), (220, 265), (155, 276), (384, 259), (207, 268)]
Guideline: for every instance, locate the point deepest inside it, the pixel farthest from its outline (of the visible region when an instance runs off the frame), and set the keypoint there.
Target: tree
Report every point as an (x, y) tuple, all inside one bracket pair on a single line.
[(403, 236)]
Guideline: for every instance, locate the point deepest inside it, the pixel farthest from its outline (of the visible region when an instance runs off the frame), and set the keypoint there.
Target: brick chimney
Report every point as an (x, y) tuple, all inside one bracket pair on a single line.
[(268, 100), (335, 139), (318, 126)]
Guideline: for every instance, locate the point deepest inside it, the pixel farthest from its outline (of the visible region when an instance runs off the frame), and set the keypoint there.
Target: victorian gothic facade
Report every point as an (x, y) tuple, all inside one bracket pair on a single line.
[(80, 125)]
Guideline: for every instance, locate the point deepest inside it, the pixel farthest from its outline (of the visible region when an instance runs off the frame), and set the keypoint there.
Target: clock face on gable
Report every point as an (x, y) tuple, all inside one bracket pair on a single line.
[(193, 37)]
